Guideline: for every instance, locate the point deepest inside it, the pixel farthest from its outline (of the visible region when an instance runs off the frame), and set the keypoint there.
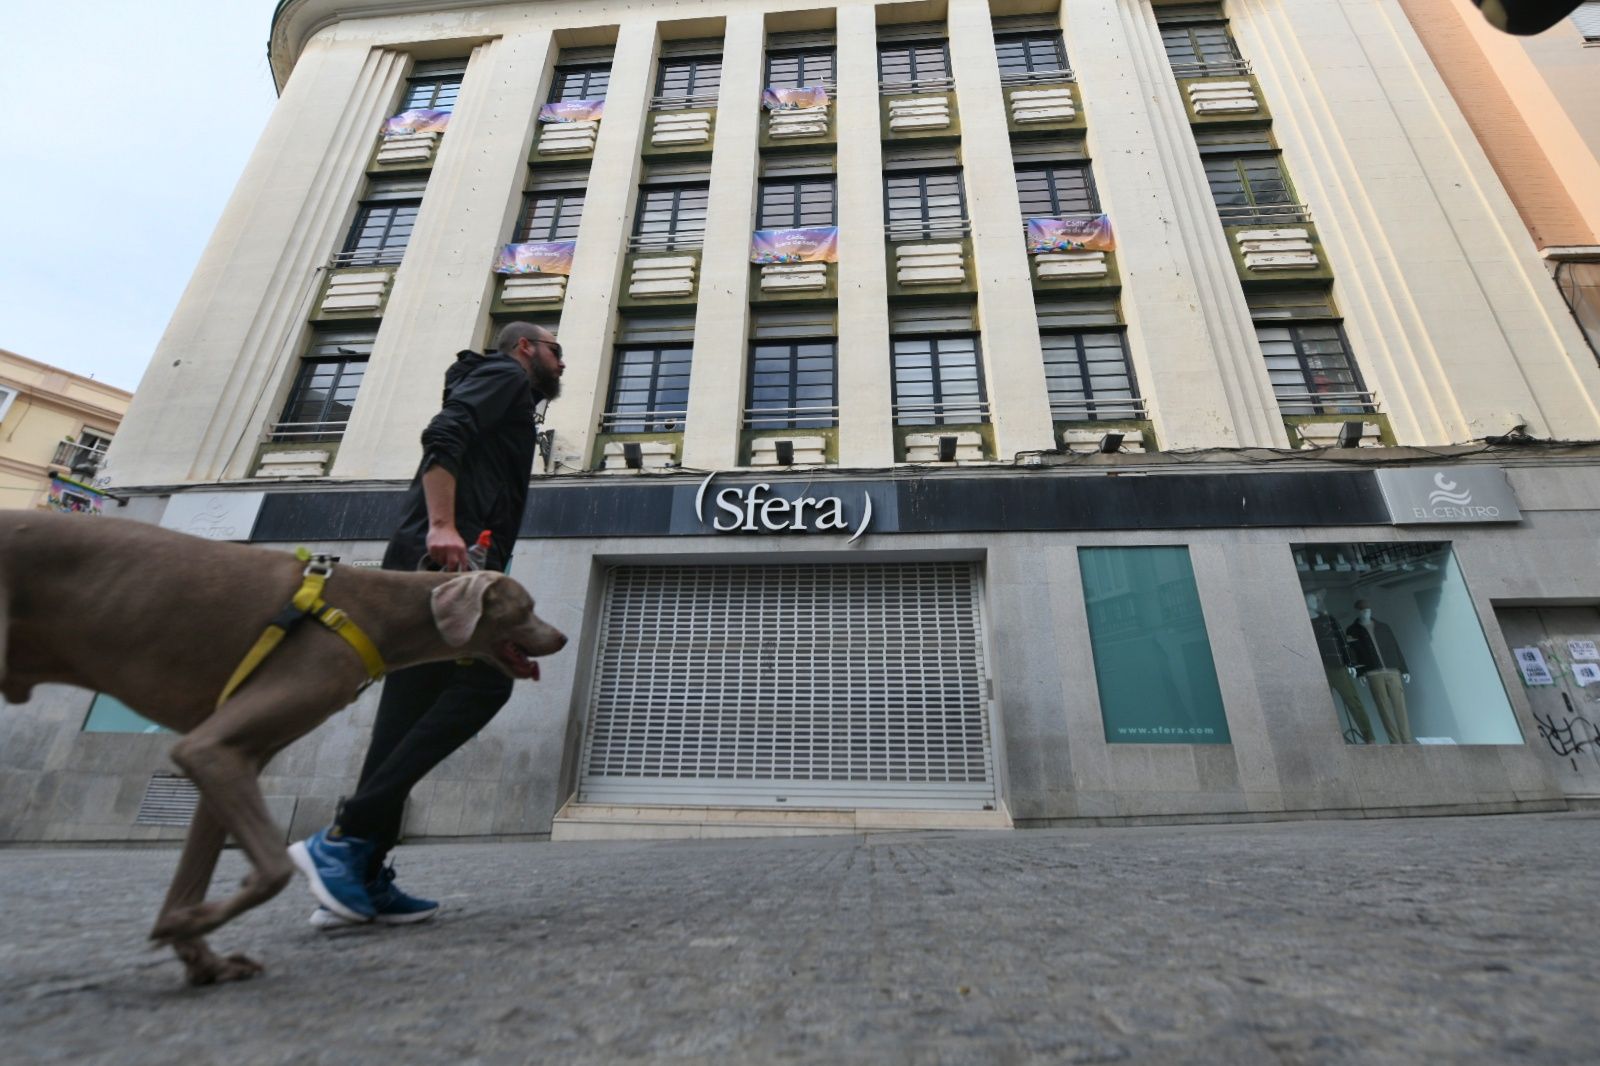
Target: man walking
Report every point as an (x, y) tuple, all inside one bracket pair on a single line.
[(476, 464)]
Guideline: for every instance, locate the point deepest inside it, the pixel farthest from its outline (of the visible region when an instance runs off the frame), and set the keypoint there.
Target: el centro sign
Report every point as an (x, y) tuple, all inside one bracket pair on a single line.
[(757, 509), (1461, 495)]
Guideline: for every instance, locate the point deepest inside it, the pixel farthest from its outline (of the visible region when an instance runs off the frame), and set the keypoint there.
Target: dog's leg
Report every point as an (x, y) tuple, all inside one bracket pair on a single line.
[(202, 966)]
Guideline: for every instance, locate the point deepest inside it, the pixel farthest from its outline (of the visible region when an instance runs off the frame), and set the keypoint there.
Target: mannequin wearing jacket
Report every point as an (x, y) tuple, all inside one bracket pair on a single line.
[(1382, 664), (1338, 664)]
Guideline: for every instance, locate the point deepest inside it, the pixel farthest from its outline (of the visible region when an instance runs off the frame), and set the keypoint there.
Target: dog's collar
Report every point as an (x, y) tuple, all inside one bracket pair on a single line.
[(307, 603)]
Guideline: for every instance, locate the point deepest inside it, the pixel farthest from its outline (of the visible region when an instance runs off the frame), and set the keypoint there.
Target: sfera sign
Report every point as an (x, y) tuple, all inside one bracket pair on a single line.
[(1454, 495), (758, 509)]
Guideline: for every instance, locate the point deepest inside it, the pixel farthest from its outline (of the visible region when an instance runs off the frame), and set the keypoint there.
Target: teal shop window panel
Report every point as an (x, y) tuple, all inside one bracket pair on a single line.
[(1152, 657), (107, 714)]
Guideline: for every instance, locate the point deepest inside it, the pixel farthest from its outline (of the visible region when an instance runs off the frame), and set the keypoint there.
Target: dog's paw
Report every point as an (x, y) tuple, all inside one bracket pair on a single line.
[(218, 970)]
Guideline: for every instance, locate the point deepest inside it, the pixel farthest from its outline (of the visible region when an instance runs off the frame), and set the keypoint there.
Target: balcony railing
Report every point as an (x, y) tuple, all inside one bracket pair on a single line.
[(1116, 408), (1263, 214), (1220, 68), (366, 257), (920, 85), (916, 229), (680, 102), (305, 432), (946, 413), (790, 417), (675, 241), (78, 458), (664, 421), (1036, 77), (1325, 403)]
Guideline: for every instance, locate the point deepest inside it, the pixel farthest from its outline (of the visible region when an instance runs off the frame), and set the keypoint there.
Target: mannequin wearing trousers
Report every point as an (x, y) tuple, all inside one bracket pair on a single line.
[(1338, 664), (1381, 662)]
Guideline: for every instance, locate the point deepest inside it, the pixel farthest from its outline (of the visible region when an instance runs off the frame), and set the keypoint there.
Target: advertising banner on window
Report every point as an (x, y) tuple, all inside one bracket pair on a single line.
[(1047, 235), (816, 244), (573, 111), (536, 257), (794, 99), (73, 497), (422, 120)]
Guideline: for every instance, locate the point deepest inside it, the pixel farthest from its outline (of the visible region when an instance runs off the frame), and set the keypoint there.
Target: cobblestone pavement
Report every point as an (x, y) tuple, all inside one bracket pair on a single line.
[(1418, 940)]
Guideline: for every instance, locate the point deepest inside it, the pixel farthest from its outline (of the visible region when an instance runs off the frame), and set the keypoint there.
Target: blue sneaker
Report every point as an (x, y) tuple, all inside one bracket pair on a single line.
[(394, 907), (335, 868)]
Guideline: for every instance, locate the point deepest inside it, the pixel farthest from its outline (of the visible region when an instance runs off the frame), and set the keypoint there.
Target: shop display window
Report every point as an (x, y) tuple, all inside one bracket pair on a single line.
[(1152, 658), (1401, 645)]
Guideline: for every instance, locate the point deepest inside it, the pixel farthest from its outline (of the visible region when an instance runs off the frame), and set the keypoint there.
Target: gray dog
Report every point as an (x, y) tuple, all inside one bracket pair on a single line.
[(161, 620)]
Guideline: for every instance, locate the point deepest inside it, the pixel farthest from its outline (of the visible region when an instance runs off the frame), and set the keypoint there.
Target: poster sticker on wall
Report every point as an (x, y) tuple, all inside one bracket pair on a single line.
[(1535, 671), (1583, 650), (1586, 674)]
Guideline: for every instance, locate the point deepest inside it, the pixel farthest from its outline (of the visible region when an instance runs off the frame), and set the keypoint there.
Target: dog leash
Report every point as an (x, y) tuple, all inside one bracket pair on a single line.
[(307, 603)]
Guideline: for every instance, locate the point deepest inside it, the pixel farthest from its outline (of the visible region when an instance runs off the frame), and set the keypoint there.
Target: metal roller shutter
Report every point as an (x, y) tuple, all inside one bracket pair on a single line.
[(799, 686)]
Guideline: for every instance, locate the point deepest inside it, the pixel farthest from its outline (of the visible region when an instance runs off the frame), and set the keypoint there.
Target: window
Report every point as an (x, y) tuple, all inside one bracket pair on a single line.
[(649, 389), (924, 204), (1587, 18), (550, 215), (1089, 377), (671, 216), (1057, 191), (1308, 358), (383, 224), (1415, 668), (325, 388), (792, 385), (791, 70), (938, 381), (588, 82), (688, 78), (1024, 54), (434, 86), (909, 64), (8, 396), (796, 204), (1152, 657), (1249, 188), (107, 714), (1197, 41)]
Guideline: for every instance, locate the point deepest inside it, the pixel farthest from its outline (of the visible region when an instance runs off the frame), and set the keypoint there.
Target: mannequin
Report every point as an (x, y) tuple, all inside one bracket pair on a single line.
[(1338, 664), (1382, 664)]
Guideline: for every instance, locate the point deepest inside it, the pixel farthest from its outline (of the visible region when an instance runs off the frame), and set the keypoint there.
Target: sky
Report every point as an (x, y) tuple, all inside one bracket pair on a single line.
[(134, 120)]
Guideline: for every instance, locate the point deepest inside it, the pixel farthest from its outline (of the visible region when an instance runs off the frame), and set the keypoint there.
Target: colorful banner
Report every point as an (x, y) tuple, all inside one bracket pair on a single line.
[(1047, 235), (73, 497), (536, 257), (573, 111), (794, 99), (818, 244), (408, 123)]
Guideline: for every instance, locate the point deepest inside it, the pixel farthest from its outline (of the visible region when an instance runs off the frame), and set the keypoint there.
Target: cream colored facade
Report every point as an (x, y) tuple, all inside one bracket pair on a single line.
[(43, 408)]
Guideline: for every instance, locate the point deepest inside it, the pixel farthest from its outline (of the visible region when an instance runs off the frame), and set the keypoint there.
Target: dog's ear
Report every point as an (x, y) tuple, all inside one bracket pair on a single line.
[(458, 604)]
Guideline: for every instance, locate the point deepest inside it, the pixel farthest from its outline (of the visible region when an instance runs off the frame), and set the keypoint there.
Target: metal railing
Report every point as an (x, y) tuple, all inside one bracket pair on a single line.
[(1035, 77), (78, 458), (1326, 403), (928, 229), (673, 241), (951, 412), (305, 432), (1115, 408), (643, 421), (683, 102), (920, 85), (364, 257), (1263, 214), (1216, 69), (795, 417)]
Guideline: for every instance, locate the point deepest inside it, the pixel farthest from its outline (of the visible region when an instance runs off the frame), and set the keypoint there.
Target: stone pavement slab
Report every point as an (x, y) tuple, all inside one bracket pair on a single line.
[(1416, 940)]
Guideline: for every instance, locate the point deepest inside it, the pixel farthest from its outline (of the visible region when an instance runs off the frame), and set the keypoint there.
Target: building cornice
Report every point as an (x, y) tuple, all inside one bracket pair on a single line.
[(294, 22)]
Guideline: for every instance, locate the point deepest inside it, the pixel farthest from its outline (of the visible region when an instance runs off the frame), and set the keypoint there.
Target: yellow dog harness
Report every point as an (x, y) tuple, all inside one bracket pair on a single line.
[(307, 603)]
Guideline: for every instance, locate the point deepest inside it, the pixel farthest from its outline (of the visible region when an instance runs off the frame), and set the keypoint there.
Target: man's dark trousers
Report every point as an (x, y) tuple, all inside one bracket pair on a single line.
[(426, 713)]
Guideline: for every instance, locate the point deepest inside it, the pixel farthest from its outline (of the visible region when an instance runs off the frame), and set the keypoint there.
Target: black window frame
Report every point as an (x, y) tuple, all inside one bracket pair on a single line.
[(424, 90), (695, 87), (801, 211), (388, 214), (1298, 314), (1051, 172), (561, 227), (915, 51), (651, 417), (1030, 67), (761, 387), (1083, 403), (935, 413), (1191, 48), (805, 58), (924, 226), (588, 72), (674, 237), (326, 349), (1237, 177)]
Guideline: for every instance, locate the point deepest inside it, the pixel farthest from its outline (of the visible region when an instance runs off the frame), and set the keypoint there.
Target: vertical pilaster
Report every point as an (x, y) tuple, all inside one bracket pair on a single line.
[(721, 324), (443, 285), (1019, 404), (212, 384), (589, 314), (1194, 347), (866, 395)]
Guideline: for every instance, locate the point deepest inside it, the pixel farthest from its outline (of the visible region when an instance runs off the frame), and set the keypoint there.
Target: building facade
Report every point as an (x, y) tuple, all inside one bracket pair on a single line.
[(55, 428), (977, 414)]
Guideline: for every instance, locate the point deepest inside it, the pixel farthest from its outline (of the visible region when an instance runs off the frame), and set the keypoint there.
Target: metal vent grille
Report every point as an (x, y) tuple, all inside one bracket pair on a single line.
[(858, 685), (168, 800)]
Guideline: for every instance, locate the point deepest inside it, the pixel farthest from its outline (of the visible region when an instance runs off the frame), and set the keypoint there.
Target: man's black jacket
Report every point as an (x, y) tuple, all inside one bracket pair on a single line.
[(484, 435)]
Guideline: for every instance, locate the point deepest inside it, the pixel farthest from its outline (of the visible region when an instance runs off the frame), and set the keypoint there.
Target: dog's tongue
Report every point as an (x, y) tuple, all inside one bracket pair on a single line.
[(535, 675)]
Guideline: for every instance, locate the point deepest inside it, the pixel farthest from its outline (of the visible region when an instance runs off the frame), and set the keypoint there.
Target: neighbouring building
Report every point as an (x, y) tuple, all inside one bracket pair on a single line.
[(55, 427), (978, 413)]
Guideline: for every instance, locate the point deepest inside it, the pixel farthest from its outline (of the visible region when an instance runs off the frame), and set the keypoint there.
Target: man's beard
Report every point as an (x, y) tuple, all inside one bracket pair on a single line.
[(544, 382)]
